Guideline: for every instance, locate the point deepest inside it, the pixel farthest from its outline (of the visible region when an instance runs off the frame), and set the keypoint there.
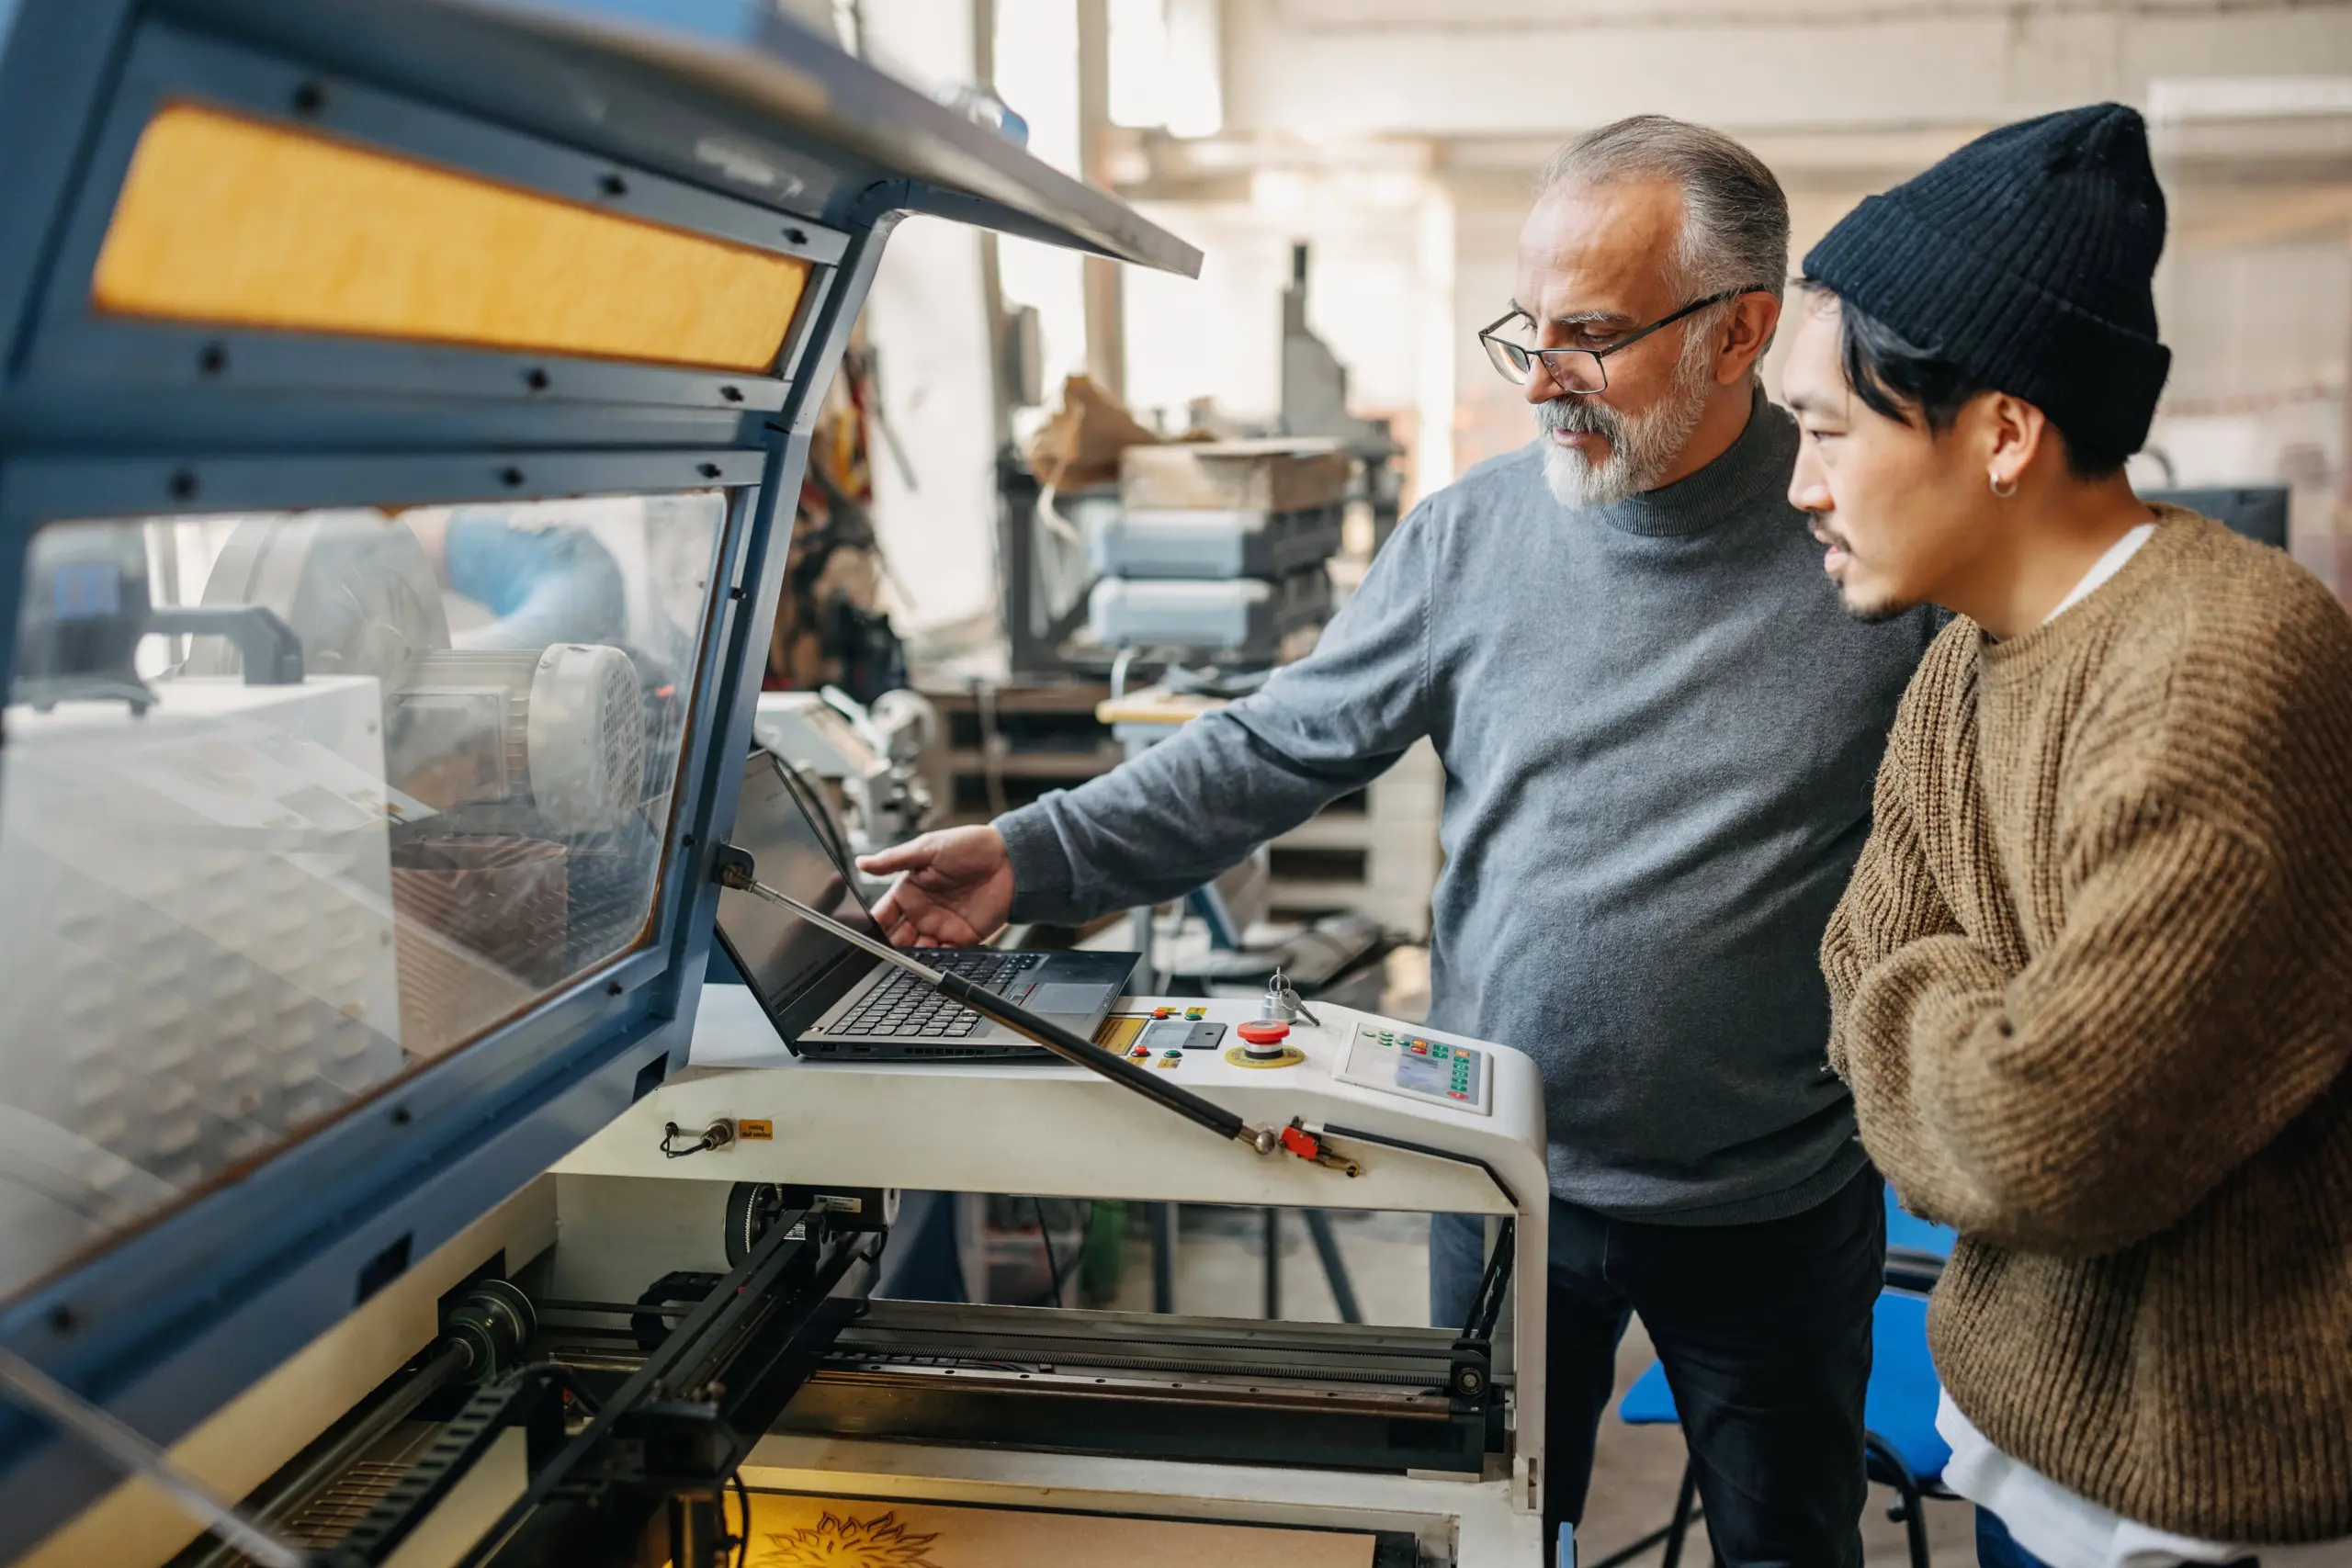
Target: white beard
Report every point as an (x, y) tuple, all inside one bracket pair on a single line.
[(1641, 446)]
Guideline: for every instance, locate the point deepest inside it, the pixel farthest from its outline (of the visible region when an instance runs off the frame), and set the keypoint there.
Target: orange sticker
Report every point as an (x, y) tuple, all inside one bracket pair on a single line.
[(755, 1131)]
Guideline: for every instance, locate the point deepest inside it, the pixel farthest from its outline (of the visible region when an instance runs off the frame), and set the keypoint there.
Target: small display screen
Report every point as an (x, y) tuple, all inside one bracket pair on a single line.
[(1424, 1074)]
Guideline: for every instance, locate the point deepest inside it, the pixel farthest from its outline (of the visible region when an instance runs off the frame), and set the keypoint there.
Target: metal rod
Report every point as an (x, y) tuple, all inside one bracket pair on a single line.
[(1163, 1255), (107, 1434), (615, 1309), (1272, 1230), (1685, 1510), (735, 870), (1335, 1267), (848, 933)]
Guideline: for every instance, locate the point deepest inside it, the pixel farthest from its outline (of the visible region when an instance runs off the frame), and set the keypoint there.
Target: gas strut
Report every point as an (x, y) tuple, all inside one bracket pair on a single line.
[(733, 868)]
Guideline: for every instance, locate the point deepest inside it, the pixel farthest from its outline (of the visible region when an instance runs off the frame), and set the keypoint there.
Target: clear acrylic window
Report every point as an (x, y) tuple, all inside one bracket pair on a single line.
[(293, 803)]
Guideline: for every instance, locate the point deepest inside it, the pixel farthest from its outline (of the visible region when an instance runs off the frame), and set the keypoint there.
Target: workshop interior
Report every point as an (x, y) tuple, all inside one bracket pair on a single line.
[(504, 502)]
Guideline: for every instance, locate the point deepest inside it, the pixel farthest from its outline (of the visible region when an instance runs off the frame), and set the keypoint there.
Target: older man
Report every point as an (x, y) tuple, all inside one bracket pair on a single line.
[(1659, 735)]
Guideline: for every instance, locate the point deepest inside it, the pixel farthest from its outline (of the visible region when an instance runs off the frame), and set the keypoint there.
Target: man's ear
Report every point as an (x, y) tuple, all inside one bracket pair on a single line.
[(2017, 433), (1746, 332)]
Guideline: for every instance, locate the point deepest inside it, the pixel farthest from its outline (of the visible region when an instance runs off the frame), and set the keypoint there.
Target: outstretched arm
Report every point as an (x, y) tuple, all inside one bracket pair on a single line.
[(1164, 823)]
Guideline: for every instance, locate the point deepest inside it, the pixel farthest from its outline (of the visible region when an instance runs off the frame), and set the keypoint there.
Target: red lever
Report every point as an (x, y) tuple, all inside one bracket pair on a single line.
[(1301, 1144)]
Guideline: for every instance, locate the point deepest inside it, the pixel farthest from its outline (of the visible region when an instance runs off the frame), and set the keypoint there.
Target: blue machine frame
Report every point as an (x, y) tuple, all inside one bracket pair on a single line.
[(713, 116)]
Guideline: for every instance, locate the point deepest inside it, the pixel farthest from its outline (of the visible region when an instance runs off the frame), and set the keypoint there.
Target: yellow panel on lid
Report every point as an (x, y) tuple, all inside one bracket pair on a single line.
[(239, 222)]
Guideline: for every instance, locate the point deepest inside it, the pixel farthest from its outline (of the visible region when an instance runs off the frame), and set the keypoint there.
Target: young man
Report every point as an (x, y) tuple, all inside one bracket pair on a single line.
[(2090, 981), (1659, 737)]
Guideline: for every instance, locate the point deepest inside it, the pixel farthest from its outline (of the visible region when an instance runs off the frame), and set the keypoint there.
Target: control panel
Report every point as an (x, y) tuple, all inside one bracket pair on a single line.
[(1401, 1061), (1164, 1037)]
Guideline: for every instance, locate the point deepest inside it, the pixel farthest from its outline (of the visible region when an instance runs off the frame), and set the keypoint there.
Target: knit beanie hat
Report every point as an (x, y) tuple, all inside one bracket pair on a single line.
[(2026, 258)]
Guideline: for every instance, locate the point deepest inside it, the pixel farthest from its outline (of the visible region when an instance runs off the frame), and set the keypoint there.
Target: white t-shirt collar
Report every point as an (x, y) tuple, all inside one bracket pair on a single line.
[(2107, 566)]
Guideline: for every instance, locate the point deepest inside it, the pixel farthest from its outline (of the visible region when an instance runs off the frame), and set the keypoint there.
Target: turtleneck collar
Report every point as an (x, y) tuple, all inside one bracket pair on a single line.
[(1759, 461)]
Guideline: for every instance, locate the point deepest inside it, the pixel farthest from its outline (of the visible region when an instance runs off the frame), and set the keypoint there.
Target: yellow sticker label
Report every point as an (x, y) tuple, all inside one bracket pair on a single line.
[(1119, 1031), (755, 1131)]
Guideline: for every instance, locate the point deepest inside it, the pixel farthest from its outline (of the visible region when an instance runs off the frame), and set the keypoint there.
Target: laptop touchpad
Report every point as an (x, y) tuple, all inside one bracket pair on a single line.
[(1063, 996)]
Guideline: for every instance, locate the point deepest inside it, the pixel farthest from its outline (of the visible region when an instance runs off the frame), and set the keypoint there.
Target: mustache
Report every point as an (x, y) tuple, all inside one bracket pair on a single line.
[(1577, 416)]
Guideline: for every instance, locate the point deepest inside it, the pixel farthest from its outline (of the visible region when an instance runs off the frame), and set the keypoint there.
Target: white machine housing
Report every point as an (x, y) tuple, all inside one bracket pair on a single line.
[(1056, 1130)]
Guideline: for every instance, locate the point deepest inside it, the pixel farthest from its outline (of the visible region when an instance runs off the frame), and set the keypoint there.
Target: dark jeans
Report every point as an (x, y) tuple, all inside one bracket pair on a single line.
[(1996, 1549), (1765, 1331)]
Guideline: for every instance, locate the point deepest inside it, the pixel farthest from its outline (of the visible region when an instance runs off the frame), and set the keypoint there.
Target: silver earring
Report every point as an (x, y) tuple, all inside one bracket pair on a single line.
[(2003, 493)]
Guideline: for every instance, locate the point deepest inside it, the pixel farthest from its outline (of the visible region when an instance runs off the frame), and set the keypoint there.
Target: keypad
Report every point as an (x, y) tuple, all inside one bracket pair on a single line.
[(1405, 1063), (903, 1007)]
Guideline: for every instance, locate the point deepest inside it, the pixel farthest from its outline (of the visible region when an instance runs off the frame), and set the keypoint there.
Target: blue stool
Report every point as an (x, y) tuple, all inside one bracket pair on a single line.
[(1901, 1447), (1906, 1232)]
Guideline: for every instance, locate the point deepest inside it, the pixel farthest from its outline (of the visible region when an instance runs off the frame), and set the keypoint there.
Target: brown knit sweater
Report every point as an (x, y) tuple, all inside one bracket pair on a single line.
[(2091, 986)]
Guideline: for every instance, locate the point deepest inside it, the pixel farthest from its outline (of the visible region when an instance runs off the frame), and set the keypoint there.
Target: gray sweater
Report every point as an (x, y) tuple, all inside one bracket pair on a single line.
[(1659, 733)]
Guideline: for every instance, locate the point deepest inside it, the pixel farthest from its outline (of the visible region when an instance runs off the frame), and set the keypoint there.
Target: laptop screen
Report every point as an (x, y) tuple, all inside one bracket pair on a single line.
[(780, 953)]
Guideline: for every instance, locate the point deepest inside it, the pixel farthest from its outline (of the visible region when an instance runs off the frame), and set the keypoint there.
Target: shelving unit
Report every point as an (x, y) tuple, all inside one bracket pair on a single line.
[(1044, 737)]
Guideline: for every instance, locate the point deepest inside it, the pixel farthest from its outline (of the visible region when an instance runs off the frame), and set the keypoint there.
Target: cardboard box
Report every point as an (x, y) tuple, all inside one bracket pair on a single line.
[(1281, 474)]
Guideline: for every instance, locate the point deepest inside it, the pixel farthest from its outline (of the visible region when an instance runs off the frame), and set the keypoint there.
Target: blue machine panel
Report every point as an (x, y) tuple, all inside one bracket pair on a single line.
[(368, 700)]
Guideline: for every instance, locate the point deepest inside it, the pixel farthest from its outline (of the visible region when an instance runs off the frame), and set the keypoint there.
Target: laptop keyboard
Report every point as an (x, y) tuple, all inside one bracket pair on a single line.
[(903, 1007)]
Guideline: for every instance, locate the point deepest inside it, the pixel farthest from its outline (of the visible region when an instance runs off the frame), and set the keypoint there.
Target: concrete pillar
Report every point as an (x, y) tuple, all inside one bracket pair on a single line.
[(1106, 349)]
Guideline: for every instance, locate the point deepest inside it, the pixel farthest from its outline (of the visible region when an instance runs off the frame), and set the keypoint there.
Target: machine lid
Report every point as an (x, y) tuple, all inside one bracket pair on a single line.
[(744, 53)]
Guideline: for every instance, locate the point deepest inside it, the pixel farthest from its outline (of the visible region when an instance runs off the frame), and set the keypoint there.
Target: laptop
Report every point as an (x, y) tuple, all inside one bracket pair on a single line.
[(829, 999)]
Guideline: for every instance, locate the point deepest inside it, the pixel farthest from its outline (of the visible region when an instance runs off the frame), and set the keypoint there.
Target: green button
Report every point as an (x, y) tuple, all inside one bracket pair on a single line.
[(1439, 1051)]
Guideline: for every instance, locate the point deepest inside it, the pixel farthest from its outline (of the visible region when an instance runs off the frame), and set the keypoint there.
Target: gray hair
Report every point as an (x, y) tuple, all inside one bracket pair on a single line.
[(1735, 215)]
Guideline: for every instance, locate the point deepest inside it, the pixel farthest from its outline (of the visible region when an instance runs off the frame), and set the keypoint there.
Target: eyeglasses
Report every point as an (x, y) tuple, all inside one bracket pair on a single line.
[(1579, 372)]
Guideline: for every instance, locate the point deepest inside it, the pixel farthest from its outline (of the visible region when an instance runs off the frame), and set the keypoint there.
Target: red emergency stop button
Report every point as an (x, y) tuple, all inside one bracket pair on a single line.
[(1263, 1030)]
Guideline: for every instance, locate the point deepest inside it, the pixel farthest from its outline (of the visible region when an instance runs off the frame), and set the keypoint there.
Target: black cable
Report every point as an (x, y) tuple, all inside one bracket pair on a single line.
[(813, 803), (743, 1541), (809, 800), (1046, 1234), (1360, 1136), (1498, 1284), (837, 843)]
